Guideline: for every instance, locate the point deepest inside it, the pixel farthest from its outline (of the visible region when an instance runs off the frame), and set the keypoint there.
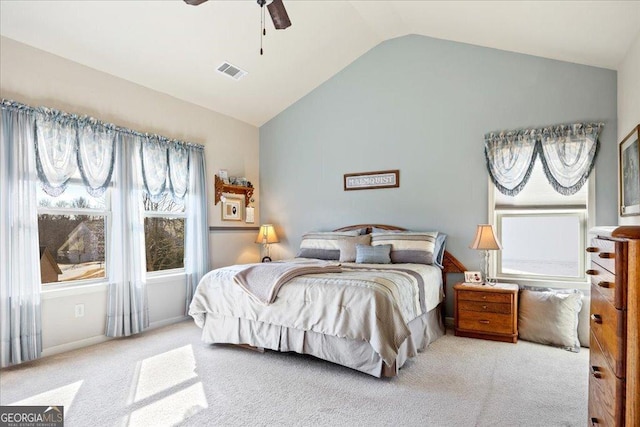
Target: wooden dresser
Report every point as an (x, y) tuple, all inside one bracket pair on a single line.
[(614, 380), (488, 312)]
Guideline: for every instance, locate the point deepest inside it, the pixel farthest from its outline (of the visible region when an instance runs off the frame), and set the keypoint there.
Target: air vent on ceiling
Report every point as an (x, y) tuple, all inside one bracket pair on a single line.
[(231, 70)]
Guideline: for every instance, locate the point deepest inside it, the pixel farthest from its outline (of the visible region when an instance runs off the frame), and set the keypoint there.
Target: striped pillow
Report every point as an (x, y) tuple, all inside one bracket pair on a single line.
[(323, 244), (416, 247)]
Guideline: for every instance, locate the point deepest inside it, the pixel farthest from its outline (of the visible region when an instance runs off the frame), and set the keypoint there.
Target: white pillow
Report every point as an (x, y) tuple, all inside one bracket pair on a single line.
[(550, 318)]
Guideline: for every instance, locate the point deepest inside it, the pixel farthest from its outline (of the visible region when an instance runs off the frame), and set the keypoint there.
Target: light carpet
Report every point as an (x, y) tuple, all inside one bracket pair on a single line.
[(168, 376)]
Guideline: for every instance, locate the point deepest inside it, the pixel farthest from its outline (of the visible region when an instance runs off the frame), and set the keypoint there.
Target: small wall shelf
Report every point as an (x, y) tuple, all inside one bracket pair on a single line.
[(221, 187)]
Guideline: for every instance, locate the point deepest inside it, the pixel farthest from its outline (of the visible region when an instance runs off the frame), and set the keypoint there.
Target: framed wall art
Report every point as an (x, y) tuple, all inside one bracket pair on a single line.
[(372, 180), (629, 171), (232, 208)]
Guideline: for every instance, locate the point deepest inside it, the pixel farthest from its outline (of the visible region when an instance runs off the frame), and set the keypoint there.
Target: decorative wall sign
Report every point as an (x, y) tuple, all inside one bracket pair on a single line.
[(232, 209), (371, 180), (630, 174)]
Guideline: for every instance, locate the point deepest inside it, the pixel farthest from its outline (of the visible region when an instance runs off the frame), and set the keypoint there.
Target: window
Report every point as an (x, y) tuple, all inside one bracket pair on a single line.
[(543, 233), (164, 224), (72, 231)]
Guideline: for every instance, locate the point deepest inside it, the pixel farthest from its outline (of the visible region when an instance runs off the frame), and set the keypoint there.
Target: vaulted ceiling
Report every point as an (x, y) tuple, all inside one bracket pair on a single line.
[(175, 48)]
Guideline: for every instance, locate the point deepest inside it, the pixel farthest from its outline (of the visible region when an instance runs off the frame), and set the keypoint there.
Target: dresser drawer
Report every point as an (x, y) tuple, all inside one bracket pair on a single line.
[(486, 322), (606, 391), (604, 253), (608, 326), (608, 284), (485, 307), (485, 296)]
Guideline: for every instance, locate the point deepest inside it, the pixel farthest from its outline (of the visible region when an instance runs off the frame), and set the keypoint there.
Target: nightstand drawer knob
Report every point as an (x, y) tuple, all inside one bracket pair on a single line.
[(596, 318), (484, 322), (594, 421), (484, 307), (595, 371)]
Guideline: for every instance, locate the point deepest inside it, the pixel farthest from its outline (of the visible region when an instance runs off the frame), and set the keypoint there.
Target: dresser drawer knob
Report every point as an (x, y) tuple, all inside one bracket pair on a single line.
[(592, 272), (485, 322), (595, 371), (607, 255), (484, 307), (593, 249), (606, 285), (596, 318), (484, 297)]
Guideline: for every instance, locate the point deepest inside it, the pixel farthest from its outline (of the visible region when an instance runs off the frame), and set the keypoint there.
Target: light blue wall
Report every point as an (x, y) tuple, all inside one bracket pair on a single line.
[(422, 106)]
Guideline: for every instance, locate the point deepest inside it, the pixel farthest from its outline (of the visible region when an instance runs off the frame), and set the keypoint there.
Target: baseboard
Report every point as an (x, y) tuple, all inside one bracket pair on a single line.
[(166, 322), (448, 322), (63, 348), (75, 345)]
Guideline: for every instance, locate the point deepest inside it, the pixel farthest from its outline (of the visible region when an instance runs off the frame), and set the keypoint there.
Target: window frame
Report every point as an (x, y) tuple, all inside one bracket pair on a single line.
[(106, 213), (587, 222)]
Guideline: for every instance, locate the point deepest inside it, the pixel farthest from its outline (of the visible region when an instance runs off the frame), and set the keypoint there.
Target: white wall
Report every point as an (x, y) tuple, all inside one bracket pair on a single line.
[(34, 77), (629, 103)]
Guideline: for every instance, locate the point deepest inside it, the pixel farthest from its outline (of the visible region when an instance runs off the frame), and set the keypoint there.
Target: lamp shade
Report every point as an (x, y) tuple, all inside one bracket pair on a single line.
[(485, 239), (267, 234)]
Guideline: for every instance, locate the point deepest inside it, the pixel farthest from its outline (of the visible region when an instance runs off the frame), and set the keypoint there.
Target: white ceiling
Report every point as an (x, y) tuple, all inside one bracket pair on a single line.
[(175, 48)]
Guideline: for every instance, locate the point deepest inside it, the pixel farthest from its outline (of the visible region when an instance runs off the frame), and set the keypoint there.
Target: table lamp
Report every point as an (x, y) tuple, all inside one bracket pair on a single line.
[(267, 235), (486, 241)]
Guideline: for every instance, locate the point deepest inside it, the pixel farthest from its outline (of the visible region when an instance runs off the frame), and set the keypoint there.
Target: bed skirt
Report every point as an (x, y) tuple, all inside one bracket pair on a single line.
[(355, 354)]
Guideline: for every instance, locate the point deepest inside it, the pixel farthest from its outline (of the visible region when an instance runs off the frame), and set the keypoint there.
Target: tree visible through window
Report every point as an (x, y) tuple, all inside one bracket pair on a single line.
[(164, 233)]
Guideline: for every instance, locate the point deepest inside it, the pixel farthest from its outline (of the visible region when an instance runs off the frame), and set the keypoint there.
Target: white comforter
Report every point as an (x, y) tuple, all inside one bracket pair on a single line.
[(369, 302)]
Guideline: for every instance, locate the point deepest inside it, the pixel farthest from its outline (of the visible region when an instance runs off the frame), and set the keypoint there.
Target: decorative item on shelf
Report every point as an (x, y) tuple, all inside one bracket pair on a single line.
[(266, 236), (222, 173), (221, 187), (472, 277), (630, 174), (486, 241)]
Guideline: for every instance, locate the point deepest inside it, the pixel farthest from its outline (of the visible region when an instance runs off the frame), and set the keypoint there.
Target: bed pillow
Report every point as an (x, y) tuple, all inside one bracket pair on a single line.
[(366, 254), (550, 317), (348, 246), (415, 247), (323, 244)]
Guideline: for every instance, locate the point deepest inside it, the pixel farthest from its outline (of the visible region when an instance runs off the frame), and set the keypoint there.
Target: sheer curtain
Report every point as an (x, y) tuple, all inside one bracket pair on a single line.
[(127, 309), (197, 234), (568, 154), (20, 322)]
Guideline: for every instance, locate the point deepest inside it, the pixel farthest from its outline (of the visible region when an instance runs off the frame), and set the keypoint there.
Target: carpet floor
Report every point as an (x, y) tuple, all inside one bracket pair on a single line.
[(167, 376)]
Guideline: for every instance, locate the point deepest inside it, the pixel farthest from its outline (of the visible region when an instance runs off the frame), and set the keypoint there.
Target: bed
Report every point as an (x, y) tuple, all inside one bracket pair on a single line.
[(368, 317)]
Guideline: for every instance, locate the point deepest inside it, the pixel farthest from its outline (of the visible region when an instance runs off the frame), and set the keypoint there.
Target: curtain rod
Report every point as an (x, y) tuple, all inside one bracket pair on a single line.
[(18, 106)]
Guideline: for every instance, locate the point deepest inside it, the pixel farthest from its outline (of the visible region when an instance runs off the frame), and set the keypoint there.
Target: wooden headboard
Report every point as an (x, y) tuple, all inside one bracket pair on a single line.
[(450, 263)]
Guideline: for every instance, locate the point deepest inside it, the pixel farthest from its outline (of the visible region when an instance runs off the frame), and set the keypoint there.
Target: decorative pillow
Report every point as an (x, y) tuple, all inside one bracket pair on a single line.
[(366, 254), (584, 322), (550, 317), (323, 244), (415, 247), (348, 246)]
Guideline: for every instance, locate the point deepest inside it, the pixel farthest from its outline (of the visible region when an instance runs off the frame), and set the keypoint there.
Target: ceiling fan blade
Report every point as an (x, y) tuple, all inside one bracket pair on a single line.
[(278, 15), (194, 2)]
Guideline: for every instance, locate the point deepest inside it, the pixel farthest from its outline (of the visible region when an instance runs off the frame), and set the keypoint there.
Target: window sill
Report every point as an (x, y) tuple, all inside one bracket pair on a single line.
[(547, 283), (60, 291)]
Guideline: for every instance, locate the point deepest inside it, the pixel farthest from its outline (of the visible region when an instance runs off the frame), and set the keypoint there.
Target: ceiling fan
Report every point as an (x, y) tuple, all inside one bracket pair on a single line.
[(276, 8)]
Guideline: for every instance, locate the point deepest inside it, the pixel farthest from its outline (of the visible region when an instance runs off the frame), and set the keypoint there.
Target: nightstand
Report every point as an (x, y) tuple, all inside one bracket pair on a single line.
[(487, 312)]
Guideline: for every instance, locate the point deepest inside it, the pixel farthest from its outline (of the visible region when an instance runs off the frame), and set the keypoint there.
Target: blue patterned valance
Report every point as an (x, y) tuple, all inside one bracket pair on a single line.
[(567, 152), (67, 143)]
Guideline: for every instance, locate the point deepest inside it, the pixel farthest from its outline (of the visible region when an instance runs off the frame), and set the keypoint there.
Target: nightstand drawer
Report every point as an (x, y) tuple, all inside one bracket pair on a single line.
[(486, 322), (485, 296), (485, 307)]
